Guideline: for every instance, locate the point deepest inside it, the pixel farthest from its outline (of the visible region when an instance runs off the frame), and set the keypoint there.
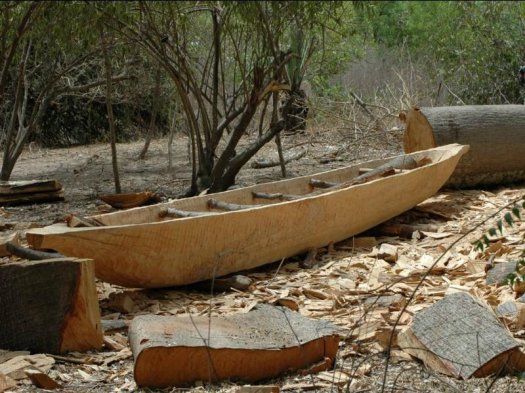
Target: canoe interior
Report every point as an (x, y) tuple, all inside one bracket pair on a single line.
[(244, 196)]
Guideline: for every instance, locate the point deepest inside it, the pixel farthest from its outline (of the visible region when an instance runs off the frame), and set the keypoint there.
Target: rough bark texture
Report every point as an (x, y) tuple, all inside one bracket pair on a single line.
[(495, 133), (460, 337), (49, 306), (261, 344)]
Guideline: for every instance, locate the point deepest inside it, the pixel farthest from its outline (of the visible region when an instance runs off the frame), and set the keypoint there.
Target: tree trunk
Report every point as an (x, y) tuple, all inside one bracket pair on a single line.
[(154, 110), (295, 111), (495, 133), (111, 118), (282, 162)]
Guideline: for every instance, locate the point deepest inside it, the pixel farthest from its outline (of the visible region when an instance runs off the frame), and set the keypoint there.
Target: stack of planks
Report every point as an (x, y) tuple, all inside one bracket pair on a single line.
[(30, 191)]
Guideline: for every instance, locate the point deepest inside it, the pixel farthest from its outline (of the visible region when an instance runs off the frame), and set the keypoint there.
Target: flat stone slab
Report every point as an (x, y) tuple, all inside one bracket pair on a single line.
[(461, 337), (498, 274)]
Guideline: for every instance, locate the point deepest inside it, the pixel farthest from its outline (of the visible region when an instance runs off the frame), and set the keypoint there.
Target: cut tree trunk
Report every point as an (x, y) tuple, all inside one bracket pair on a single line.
[(261, 344), (49, 306), (461, 337), (495, 133)]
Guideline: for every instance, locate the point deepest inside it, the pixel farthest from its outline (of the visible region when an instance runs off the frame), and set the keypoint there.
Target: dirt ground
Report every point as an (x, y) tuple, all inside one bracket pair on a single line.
[(86, 173)]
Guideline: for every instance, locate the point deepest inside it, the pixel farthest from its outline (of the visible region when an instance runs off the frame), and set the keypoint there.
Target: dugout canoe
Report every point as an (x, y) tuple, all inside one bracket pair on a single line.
[(147, 247)]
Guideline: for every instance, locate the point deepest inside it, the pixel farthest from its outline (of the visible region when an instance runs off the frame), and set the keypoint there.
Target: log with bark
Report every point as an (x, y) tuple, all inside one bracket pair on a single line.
[(461, 337), (495, 133), (261, 344), (49, 306)]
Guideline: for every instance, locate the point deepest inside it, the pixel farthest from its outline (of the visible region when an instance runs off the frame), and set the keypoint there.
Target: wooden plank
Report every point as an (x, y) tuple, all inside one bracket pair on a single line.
[(257, 345), (461, 337), (27, 198), (28, 187), (49, 306), (6, 383), (495, 133)]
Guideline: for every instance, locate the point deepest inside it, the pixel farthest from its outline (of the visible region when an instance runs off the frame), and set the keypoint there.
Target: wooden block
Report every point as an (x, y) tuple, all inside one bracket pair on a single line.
[(261, 344), (121, 302), (6, 383), (12, 238), (15, 367), (42, 381), (49, 306), (460, 337), (388, 252)]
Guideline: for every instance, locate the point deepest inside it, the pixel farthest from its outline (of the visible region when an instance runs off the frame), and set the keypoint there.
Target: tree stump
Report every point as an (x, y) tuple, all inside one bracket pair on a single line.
[(49, 306)]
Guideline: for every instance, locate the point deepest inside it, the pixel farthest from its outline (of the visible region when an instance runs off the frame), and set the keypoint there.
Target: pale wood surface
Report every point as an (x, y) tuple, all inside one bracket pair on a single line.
[(136, 248), (49, 306), (261, 344), (495, 133)]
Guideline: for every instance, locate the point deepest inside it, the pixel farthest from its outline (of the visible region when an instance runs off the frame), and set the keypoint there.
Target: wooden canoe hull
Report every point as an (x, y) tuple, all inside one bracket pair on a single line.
[(145, 251)]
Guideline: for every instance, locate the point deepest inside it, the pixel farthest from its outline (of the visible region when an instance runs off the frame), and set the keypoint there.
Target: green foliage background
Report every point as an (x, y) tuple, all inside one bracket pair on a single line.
[(475, 48)]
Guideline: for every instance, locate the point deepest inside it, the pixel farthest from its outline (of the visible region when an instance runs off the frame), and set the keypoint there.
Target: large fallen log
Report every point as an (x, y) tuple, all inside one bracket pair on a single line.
[(495, 133), (261, 344), (49, 306)]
